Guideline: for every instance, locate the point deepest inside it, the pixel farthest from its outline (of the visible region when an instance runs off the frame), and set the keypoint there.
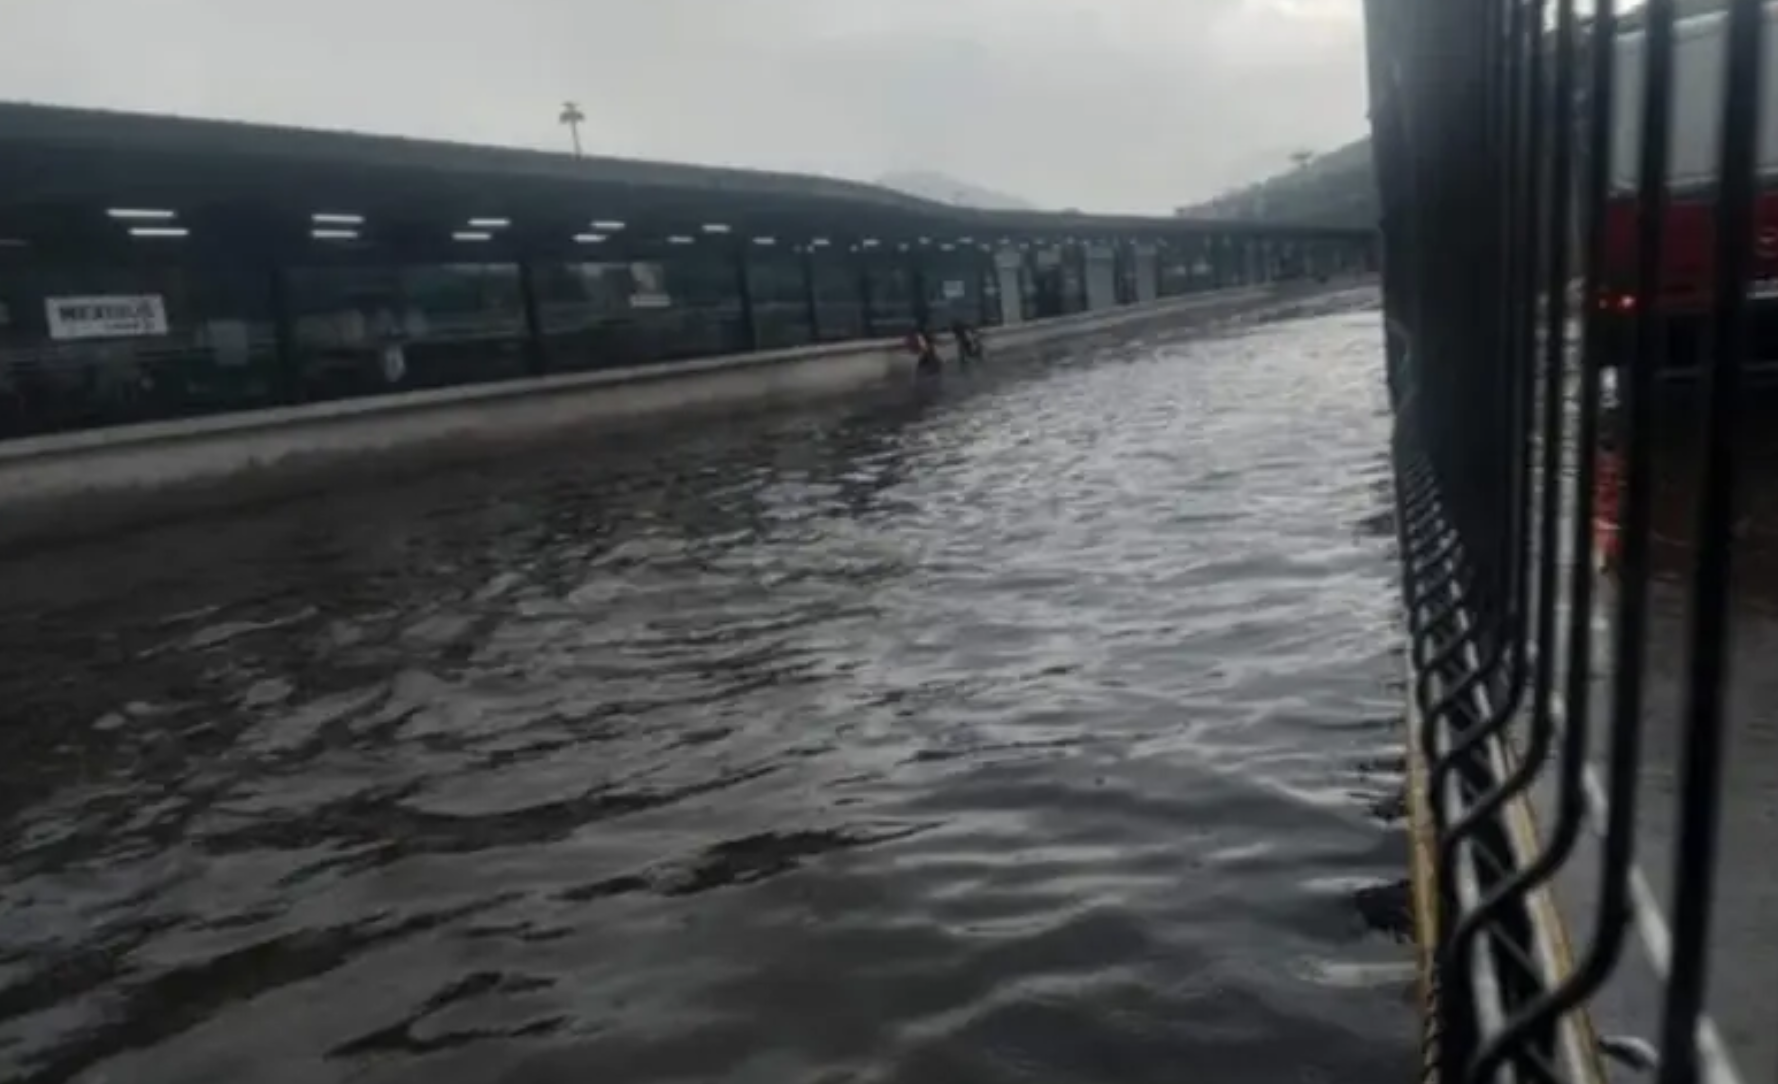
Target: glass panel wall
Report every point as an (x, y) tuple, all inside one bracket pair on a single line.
[(779, 287), (130, 336), (1058, 280), (839, 295), (993, 314), (892, 297), (1188, 266), (625, 309), (1212, 269), (1074, 279), (954, 287), (1124, 258), (581, 308), (1028, 286), (466, 321), (94, 333), (365, 329), (1175, 263)]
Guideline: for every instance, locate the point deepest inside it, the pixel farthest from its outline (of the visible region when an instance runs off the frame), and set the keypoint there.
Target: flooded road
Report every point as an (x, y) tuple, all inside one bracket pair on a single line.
[(1743, 962), (1047, 730)]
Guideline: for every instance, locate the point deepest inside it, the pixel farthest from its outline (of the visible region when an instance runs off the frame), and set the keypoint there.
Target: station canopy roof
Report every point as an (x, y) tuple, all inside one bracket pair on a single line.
[(55, 157)]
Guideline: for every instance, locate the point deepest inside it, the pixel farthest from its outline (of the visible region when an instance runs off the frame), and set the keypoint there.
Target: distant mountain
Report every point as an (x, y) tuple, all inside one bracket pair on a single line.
[(926, 184)]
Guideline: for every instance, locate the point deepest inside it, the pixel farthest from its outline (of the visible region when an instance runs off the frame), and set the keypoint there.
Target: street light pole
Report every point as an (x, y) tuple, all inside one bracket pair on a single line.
[(572, 117)]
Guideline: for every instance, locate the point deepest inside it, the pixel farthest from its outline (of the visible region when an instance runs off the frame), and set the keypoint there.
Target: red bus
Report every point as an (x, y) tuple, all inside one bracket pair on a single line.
[(1688, 262)]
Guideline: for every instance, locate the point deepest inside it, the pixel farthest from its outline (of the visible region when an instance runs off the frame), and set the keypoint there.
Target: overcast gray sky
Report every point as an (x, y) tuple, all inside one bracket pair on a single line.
[(1102, 104)]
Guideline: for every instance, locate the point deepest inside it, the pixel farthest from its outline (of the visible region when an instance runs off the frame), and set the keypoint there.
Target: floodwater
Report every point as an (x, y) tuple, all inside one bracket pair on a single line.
[(1046, 729), (1743, 936)]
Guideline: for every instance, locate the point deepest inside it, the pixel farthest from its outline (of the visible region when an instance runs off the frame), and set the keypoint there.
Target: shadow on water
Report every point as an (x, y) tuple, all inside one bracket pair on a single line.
[(1041, 729)]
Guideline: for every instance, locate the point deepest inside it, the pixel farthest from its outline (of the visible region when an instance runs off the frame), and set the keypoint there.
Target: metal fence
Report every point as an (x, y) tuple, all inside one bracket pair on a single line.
[(1493, 130)]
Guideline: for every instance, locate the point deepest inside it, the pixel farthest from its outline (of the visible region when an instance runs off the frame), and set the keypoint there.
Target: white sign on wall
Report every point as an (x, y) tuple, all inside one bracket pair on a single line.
[(648, 286), (394, 363), (115, 317), (954, 290)]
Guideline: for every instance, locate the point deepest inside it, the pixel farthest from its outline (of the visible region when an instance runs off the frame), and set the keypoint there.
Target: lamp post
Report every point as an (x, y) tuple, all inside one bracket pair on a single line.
[(572, 117)]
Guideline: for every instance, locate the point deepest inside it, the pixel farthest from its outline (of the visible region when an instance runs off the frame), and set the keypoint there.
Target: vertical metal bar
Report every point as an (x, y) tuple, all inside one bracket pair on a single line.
[(867, 319), (1519, 263), (987, 270), (536, 346), (1027, 283), (1708, 640), (744, 290), (1631, 629), (1613, 905), (1503, 261), (810, 298), (1571, 799), (1522, 287), (288, 379), (1577, 690)]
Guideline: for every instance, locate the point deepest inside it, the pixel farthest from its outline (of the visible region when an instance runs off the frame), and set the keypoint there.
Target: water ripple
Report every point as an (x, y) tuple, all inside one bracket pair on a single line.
[(1041, 731)]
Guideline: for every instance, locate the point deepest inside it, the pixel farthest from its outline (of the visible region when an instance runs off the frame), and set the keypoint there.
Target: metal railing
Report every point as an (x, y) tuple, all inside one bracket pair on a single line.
[(1493, 123)]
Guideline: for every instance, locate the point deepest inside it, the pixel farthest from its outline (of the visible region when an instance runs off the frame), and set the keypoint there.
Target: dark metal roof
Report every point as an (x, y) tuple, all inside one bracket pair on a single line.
[(56, 156)]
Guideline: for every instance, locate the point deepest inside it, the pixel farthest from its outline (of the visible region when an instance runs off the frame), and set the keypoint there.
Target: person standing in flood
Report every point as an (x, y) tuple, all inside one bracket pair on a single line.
[(925, 350), (969, 343)]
